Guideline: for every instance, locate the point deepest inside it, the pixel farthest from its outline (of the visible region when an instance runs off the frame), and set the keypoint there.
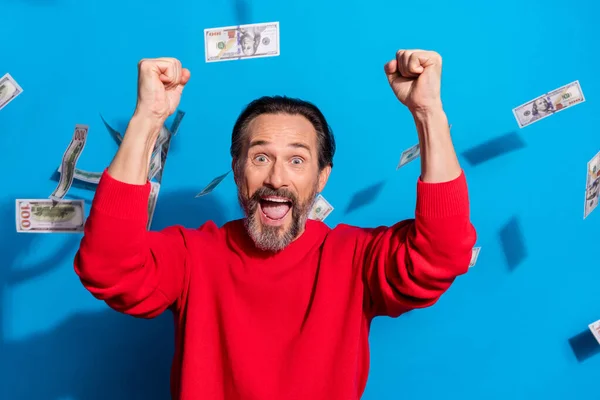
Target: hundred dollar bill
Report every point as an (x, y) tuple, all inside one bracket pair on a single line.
[(474, 256), (48, 216), (176, 122), (155, 164), (320, 209), (84, 176), (87, 176), (592, 185), (69, 160), (163, 137), (212, 185), (548, 104), (154, 189), (595, 329), (241, 41), (117, 137), (164, 151), (408, 155), (9, 90)]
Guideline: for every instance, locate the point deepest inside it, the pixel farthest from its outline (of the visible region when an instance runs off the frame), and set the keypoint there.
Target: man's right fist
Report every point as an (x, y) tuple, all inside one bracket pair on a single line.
[(160, 83)]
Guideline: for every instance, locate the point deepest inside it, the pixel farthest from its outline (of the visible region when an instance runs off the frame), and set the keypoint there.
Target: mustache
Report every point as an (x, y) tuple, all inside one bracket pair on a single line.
[(264, 191)]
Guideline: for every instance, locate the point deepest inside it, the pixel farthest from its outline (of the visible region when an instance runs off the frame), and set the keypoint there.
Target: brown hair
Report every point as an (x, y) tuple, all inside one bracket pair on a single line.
[(285, 105)]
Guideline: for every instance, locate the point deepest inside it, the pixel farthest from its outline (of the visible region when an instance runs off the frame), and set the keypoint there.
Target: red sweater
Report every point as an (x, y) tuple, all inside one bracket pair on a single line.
[(291, 325)]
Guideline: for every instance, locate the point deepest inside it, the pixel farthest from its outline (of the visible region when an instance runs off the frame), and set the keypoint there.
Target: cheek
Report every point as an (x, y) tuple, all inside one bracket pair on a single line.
[(252, 180), (306, 188)]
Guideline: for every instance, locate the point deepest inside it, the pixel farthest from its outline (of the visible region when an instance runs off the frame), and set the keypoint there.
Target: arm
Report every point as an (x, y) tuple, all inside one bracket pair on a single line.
[(438, 158), (132, 161), (411, 264), (136, 272)]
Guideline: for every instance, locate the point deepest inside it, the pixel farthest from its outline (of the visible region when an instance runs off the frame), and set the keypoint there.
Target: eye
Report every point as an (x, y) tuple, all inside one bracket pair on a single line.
[(261, 158), (297, 161)]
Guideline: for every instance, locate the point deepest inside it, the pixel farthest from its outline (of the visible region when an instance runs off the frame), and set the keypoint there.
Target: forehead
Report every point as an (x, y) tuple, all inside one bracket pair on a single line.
[(282, 129)]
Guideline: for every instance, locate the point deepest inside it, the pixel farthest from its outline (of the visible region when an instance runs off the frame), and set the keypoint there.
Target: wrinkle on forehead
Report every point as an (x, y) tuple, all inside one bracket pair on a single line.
[(282, 129)]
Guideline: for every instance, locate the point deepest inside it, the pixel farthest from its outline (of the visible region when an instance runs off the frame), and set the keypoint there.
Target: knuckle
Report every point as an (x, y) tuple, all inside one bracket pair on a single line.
[(144, 63)]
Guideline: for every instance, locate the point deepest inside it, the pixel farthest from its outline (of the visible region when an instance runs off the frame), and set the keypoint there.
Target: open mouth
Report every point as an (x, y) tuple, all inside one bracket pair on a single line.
[(275, 208)]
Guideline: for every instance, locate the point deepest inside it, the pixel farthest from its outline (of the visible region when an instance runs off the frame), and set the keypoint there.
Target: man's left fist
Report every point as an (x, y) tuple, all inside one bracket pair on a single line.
[(415, 77)]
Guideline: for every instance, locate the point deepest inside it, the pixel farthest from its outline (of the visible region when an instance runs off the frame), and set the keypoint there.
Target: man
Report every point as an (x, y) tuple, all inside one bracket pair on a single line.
[(275, 306)]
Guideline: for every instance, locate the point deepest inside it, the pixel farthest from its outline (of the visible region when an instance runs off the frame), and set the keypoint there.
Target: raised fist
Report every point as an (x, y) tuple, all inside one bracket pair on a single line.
[(160, 83), (415, 77)]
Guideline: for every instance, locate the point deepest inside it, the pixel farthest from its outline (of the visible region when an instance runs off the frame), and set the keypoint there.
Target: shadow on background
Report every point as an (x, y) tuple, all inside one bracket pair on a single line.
[(242, 11), (92, 356), (493, 148), (584, 345), (182, 208), (364, 197), (513, 243)]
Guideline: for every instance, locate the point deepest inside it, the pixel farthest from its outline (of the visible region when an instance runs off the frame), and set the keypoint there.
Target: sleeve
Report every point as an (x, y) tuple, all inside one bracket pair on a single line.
[(412, 263), (134, 271)]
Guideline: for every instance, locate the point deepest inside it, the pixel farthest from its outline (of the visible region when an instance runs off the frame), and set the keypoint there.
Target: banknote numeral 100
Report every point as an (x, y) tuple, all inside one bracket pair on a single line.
[(25, 211), (79, 134)]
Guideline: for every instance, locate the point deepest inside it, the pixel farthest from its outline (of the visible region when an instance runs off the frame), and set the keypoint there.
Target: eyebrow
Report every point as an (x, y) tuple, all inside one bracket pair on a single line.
[(264, 143)]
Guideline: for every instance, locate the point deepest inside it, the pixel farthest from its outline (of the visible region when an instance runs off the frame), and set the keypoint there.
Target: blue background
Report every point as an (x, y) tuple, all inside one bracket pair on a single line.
[(501, 331)]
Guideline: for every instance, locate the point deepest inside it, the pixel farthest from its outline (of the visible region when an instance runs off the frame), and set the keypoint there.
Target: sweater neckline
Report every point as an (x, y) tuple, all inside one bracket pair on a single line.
[(241, 240)]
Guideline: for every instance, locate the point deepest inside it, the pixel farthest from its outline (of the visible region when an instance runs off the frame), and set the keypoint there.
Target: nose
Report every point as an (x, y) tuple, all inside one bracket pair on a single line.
[(277, 176)]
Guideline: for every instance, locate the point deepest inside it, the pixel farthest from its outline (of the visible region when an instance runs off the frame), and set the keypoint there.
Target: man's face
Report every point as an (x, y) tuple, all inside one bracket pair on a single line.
[(279, 178)]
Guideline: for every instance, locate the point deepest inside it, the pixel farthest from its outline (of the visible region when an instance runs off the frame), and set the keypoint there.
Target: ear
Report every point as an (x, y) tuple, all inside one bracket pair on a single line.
[(233, 162), (323, 178)]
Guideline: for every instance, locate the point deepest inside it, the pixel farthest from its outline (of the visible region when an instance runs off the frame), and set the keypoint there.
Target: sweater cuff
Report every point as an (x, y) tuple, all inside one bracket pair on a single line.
[(443, 199), (121, 200)]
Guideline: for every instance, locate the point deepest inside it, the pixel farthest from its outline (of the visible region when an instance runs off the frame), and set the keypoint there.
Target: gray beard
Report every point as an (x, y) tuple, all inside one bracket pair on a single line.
[(274, 238)]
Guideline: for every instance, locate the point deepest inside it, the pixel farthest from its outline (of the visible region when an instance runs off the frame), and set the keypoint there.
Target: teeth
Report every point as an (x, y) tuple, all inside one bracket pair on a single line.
[(276, 200)]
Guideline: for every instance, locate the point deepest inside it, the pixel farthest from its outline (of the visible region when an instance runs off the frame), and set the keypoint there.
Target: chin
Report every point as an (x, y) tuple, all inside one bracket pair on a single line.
[(283, 226), (269, 234)]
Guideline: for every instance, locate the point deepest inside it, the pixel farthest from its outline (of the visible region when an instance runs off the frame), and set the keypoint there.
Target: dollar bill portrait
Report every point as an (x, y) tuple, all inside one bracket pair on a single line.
[(592, 192), (249, 39), (540, 108), (7, 90)]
